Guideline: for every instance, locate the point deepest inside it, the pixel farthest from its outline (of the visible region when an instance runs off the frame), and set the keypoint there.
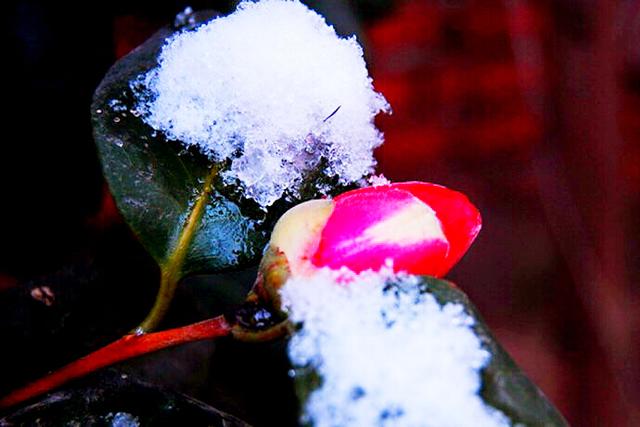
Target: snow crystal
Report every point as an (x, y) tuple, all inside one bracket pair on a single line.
[(387, 354), (378, 180), (274, 89)]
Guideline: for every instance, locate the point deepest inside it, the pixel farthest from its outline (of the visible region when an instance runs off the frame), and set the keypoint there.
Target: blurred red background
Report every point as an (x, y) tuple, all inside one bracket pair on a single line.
[(532, 108)]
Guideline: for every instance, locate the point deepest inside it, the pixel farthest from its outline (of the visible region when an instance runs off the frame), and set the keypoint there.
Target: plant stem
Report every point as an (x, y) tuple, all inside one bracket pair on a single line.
[(171, 269), (279, 330), (125, 348)]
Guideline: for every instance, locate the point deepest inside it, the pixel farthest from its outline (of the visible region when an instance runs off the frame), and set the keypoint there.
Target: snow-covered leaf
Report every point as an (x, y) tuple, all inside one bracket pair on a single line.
[(281, 116), (156, 182), (504, 385), (402, 350)]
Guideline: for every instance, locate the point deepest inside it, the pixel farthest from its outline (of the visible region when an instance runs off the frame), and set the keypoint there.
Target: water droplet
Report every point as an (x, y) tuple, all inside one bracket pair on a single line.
[(138, 331), (118, 143), (186, 18), (116, 120), (291, 373), (98, 111)]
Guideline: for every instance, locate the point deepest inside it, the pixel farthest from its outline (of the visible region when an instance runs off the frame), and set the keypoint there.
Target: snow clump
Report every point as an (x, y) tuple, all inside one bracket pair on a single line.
[(273, 89), (387, 354)]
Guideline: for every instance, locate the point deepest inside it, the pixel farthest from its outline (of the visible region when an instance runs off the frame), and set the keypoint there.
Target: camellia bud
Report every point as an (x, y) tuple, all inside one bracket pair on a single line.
[(417, 227)]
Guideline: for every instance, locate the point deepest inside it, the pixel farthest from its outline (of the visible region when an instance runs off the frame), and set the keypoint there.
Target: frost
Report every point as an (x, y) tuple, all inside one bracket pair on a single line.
[(387, 353), (272, 88)]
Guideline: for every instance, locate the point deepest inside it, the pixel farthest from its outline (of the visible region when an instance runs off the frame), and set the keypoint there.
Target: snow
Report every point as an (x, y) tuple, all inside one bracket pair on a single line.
[(387, 354), (378, 180), (123, 419), (272, 88)]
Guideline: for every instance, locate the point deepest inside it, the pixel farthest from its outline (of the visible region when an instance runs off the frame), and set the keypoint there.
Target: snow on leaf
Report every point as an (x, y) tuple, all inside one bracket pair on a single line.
[(386, 353), (273, 89)]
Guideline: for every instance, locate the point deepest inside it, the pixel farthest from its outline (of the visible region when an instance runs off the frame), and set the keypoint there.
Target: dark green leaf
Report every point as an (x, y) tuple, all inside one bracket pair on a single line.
[(111, 399), (156, 182)]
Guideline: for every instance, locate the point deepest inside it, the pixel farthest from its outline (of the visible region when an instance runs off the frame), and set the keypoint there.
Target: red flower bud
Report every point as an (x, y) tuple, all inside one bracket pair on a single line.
[(422, 228)]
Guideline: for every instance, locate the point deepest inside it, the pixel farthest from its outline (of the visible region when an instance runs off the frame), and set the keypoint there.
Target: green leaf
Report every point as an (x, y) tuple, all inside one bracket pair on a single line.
[(157, 183), (505, 386)]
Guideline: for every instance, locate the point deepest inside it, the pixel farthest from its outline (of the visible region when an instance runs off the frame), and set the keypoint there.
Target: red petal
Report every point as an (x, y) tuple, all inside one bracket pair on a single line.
[(347, 238), (460, 219), (432, 250)]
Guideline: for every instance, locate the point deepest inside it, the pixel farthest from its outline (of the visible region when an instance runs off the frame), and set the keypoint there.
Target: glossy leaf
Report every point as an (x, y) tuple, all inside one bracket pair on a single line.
[(156, 182)]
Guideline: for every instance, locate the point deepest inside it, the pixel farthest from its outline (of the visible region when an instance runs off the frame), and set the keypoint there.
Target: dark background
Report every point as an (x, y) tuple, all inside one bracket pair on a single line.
[(531, 108)]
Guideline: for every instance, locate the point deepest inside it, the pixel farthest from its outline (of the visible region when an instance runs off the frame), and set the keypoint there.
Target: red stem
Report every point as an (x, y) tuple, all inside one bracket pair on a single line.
[(125, 348)]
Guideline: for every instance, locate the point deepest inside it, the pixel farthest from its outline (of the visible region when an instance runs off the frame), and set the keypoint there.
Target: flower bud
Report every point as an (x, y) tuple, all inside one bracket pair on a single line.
[(413, 227), (420, 228)]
